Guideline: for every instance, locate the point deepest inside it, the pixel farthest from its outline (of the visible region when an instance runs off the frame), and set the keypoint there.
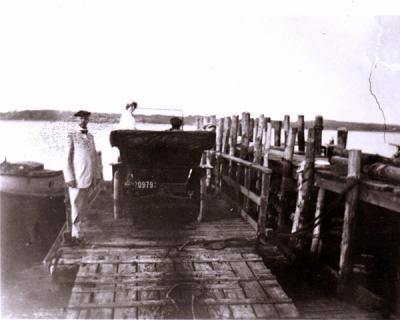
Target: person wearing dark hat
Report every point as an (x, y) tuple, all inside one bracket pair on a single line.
[(81, 172), (127, 120), (176, 124)]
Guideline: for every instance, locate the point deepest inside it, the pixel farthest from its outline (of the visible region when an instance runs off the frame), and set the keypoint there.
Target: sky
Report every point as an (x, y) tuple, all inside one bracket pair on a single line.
[(338, 59)]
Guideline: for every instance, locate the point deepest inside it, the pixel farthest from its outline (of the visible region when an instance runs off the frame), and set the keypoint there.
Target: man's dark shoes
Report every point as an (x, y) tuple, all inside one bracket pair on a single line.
[(72, 241)]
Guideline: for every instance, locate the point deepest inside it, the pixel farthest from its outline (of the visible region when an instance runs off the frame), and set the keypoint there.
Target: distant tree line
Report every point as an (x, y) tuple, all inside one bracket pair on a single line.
[(355, 126), (98, 117), (54, 115)]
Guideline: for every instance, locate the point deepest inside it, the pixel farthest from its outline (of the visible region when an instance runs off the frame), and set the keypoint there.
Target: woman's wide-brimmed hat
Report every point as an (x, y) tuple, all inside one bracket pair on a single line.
[(132, 104)]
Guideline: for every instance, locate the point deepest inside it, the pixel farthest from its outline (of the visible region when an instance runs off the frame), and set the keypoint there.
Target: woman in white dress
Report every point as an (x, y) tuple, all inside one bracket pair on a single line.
[(127, 120)]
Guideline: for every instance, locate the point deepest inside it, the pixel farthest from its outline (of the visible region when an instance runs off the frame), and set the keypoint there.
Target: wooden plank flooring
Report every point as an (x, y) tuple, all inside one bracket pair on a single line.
[(158, 262)]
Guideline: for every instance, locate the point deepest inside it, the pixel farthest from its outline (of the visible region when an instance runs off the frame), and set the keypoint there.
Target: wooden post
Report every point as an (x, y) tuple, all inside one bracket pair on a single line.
[(219, 134), (255, 129), (205, 122), (283, 219), (261, 127), (226, 135), (117, 194), (257, 155), (218, 148), (349, 221), (203, 194), (225, 149), (316, 244), (233, 141), (286, 126), (244, 148), (262, 211), (277, 125), (251, 129), (198, 123), (247, 183), (213, 120), (342, 137), (266, 121), (305, 181), (289, 151), (318, 127), (300, 133), (267, 143), (258, 141)]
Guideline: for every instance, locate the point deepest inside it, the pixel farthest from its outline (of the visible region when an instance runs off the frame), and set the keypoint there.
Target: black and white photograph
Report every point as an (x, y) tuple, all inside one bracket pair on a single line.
[(199, 159)]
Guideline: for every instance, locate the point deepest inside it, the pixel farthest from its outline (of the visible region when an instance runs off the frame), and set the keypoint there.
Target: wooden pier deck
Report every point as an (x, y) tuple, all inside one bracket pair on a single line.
[(158, 262)]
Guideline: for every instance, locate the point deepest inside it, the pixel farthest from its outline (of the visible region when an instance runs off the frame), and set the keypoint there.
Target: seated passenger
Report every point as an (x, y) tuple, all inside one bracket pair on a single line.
[(176, 124), (127, 121)]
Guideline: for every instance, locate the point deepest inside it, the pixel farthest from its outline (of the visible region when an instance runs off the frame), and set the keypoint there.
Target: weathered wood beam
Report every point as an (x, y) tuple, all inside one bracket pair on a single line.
[(349, 222)]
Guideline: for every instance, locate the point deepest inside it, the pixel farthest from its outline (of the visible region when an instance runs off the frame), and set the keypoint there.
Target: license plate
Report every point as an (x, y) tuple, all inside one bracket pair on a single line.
[(144, 184)]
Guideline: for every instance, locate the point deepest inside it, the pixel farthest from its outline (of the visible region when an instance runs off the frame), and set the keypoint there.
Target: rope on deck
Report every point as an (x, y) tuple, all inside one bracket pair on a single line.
[(208, 243), (193, 284)]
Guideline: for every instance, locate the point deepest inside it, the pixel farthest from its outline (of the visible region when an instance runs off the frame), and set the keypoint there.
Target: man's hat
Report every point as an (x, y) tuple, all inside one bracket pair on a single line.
[(82, 113)]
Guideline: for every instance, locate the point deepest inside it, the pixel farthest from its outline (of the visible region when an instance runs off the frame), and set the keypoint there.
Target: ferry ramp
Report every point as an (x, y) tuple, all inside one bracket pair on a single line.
[(159, 262)]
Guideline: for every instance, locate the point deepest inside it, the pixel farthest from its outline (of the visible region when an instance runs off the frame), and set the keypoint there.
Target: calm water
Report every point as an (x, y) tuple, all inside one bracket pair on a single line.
[(44, 141)]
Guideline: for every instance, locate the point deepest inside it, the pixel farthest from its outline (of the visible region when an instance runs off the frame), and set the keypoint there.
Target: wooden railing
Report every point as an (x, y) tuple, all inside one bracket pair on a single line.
[(275, 182)]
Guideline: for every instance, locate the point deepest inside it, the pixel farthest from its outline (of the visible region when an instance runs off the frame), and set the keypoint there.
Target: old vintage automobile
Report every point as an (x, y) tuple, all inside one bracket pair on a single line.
[(158, 161)]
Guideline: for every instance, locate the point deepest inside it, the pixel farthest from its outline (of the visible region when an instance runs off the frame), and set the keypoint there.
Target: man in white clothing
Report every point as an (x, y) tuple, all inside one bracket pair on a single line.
[(81, 172), (127, 120)]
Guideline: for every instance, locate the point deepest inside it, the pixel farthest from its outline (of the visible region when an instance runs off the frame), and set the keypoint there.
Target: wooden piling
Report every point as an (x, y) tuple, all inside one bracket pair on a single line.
[(117, 194), (244, 149), (203, 194), (349, 221), (213, 120), (318, 127), (316, 244), (251, 129), (289, 150), (260, 128), (255, 129), (267, 143), (277, 125), (247, 183), (305, 180), (226, 135), (300, 133), (219, 135), (258, 141), (342, 137), (262, 211), (257, 154), (286, 127), (266, 121), (283, 217), (225, 148), (218, 148), (204, 122), (244, 145), (233, 141), (198, 123)]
